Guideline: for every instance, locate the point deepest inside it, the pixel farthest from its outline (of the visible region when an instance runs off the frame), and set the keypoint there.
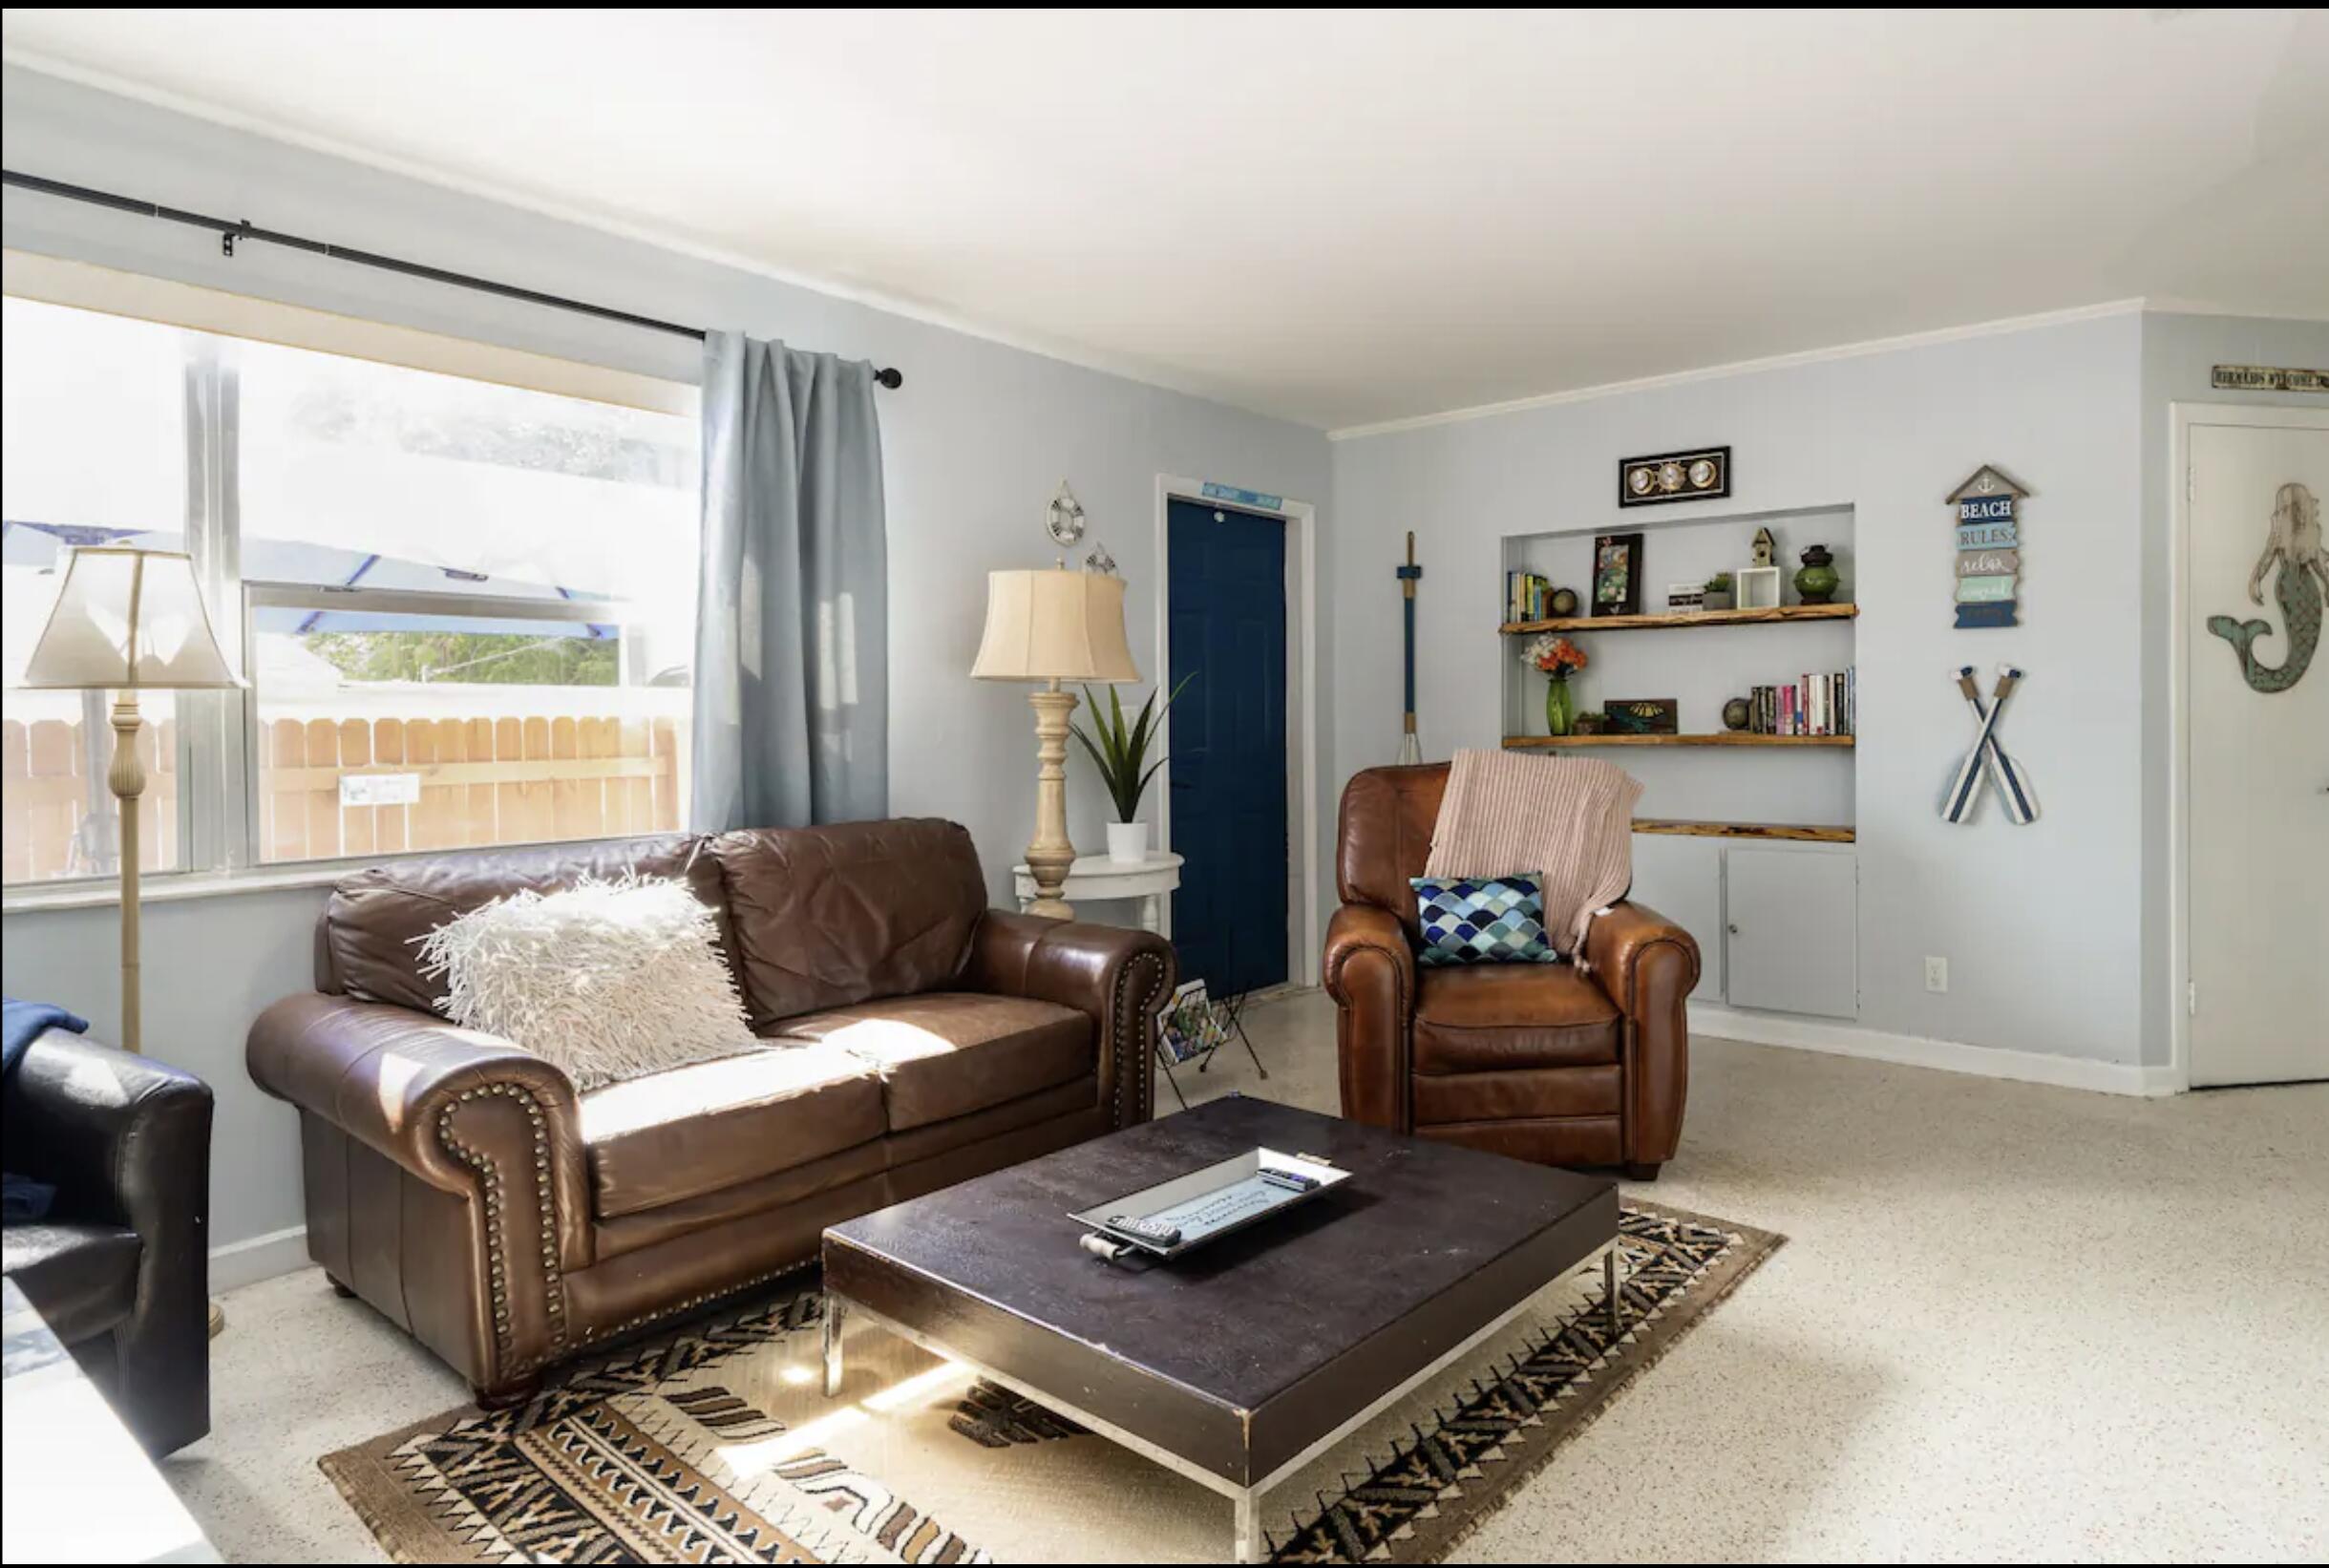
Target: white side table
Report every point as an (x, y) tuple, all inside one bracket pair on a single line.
[(1097, 877)]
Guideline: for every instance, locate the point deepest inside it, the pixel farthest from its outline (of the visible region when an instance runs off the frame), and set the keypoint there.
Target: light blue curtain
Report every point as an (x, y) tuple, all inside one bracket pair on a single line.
[(791, 664)]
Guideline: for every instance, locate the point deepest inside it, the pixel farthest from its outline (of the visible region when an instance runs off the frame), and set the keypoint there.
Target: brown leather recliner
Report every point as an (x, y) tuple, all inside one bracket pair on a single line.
[(1543, 1062), (915, 1038)]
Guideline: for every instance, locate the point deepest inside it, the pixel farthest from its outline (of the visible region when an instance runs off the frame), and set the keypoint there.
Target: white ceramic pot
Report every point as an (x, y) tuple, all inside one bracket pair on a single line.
[(1128, 842)]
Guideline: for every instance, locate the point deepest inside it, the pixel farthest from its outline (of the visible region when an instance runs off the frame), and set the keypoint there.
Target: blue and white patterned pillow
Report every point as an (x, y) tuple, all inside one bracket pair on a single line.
[(1483, 919)]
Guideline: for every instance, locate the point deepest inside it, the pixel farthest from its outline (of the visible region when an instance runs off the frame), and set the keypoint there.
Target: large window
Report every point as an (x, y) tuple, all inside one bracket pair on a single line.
[(465, 607)]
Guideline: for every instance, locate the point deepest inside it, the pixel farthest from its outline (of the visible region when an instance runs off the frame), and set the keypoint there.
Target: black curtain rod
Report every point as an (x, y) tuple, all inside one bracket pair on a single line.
[(232, 231)]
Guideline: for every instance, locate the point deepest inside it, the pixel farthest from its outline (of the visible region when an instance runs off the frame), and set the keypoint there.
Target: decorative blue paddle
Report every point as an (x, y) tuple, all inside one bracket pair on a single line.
[(1410, 749), (1988, 760)]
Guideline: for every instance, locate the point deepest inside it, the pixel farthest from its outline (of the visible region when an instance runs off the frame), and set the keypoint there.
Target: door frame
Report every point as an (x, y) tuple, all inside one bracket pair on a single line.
[(2181, 418), (1301, 703)]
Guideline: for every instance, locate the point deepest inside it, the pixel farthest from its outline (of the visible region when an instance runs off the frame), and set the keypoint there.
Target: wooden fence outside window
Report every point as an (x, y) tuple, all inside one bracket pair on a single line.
[(480, 781)]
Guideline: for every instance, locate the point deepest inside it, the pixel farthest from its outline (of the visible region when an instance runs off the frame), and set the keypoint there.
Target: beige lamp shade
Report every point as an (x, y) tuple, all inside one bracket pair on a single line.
[(1054, 625), (128, 619)]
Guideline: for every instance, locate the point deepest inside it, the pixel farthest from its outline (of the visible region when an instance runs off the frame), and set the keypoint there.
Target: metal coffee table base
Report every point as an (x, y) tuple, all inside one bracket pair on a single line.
[(1247, 1499)]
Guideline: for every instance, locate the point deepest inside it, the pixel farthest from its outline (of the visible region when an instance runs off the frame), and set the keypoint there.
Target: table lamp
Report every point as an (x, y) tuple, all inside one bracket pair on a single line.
[(128, 619), (1052, 626)]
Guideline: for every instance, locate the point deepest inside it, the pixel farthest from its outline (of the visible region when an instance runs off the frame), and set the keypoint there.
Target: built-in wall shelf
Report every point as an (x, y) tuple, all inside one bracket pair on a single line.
[(1689, 618), (1796, 832), (1711, 792), (1724, 737)]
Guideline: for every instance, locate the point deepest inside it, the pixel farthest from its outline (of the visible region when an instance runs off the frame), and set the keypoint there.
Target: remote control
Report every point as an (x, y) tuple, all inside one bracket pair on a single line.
[(1293, 1181), (1154, 1232)]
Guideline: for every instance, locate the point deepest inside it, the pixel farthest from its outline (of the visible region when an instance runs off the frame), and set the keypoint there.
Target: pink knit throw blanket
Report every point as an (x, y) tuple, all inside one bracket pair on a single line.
[(1567, 819)]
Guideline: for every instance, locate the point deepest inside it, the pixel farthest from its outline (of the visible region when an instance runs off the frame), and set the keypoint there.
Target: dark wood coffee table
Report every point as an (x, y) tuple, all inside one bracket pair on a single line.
[(1240, 1362)]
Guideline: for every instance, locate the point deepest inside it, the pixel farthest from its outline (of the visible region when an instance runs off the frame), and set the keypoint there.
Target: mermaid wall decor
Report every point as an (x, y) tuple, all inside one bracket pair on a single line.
[(2301, 585)]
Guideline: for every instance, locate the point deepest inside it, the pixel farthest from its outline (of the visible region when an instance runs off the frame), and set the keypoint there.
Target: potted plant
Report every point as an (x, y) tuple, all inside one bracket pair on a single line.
[(1559, 658), (1120, 750), (1719, 592)]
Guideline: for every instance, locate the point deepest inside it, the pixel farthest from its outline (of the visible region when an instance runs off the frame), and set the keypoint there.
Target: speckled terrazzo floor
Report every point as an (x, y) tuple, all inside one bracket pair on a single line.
[(2012, 1322)]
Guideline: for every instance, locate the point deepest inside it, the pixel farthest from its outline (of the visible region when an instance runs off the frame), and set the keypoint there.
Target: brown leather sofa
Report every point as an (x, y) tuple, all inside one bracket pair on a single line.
[(915, 1038), (1543, 1062)]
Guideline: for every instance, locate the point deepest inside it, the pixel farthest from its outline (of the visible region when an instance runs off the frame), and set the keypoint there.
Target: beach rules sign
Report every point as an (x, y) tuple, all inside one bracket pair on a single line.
[(1988, 548)]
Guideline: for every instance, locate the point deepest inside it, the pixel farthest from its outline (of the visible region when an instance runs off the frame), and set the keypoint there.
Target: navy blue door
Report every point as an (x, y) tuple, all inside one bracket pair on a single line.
[(1227, 610)]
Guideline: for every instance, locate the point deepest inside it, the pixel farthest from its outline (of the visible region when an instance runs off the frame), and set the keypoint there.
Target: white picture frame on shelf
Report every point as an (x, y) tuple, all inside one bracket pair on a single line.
[(1758, 587)]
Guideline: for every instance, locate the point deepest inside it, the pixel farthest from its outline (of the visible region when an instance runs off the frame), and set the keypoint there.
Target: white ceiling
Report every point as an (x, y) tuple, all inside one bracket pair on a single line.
[(1346, 217)]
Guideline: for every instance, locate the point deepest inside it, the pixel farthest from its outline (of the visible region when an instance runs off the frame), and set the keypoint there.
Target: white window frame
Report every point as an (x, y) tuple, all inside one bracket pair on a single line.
[(244, 834), (218, 735)]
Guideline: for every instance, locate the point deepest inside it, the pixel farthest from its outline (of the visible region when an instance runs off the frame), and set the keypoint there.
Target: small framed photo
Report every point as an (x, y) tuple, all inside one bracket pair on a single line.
[(1617, 574), (1758, 587), (1685, 596)]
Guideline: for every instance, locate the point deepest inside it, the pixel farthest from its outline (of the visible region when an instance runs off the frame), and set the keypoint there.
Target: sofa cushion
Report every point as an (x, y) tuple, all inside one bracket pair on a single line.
[(674, 1135), (827, 917), (374, 918), (81, 1279), (1496, 1017), (948, 1053)]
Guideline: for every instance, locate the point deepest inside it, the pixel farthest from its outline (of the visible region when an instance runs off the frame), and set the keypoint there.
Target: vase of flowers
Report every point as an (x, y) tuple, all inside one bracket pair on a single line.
[(1558, 659)]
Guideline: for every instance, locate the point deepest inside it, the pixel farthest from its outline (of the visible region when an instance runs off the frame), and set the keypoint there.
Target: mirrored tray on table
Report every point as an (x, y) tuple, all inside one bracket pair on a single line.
[(1210, 1203)]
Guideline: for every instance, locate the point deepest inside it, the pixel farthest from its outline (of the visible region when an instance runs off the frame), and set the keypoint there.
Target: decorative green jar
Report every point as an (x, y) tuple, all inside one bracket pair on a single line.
[(1817, 581), (1560, 707)]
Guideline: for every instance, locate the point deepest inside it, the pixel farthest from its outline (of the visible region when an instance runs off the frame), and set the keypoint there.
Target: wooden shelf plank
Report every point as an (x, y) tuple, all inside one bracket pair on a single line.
[(1806, 832), (1725, 737), (1688, 618)]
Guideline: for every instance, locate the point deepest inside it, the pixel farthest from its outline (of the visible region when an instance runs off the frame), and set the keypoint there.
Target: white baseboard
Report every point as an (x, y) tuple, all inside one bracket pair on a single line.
[(2029, 1067), (246, 1262)]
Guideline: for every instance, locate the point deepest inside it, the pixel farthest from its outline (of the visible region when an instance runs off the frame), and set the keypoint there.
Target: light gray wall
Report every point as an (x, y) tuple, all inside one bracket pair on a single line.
[(2043, 926), (973, 444), (2179, 353)]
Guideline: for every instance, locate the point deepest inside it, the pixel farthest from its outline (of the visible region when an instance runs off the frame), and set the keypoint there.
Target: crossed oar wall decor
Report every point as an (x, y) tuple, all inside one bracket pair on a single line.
[(1987, 762)]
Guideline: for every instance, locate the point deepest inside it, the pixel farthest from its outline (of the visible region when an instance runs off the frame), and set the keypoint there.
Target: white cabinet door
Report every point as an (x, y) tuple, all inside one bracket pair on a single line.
[(1681, 879), (1791, 918)]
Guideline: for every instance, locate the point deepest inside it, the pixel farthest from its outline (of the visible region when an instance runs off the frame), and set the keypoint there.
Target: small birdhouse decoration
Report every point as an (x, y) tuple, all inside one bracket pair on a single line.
[(1763, 545), (1988, 548)]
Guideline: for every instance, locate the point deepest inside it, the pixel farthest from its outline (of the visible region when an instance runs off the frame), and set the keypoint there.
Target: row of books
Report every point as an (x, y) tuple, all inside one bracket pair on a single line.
[(1817, 705), (1526, 597)]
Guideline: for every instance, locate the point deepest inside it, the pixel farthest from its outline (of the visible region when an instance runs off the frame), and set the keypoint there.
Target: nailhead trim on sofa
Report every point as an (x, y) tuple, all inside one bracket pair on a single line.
[(490, 1184), (1136, 1045), (702, 1299)]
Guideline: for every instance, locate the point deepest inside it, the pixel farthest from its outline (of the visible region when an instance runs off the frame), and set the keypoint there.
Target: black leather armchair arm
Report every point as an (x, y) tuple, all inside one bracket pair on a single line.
[(126, 1142)]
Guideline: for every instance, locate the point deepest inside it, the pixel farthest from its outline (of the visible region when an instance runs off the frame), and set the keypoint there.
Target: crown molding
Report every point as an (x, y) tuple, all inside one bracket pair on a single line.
[(1123, 366), (1747, 367)]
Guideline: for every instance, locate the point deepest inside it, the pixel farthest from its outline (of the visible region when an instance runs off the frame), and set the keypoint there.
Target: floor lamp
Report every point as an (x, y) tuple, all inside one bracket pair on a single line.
[(128, 620), (1052, 626)]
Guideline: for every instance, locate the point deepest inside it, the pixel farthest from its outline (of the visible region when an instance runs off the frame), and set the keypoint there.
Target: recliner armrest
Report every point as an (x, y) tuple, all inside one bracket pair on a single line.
[(1115, 976), (1369, 970), (1648, 964), (1358, 928), (1631, 950)]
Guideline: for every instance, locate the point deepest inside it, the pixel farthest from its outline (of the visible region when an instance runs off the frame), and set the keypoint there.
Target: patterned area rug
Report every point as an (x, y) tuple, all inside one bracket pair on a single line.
[(714, 1445)]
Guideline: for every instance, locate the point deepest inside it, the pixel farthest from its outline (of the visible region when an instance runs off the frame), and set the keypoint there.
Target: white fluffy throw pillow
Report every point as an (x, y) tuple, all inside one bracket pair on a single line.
[(607, 980)]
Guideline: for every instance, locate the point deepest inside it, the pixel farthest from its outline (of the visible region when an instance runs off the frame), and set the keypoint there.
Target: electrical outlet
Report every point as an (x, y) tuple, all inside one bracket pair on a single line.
[(1936, 973)]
